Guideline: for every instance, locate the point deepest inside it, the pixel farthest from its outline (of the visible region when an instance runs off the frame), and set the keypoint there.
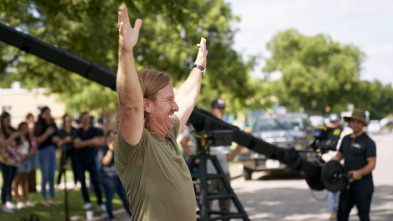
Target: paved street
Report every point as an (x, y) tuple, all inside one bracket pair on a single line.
[(288, 197)]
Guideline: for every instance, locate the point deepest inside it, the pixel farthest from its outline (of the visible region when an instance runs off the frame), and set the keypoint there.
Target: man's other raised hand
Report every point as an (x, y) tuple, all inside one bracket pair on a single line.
[(128, 36)]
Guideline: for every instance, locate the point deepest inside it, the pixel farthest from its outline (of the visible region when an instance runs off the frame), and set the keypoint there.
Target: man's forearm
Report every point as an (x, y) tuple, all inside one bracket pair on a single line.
[(82, 143), (189, 90), (367, 169), (127, 82)]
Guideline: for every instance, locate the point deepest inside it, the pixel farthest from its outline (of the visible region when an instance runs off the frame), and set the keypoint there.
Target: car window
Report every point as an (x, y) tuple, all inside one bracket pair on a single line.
[(280, 123)]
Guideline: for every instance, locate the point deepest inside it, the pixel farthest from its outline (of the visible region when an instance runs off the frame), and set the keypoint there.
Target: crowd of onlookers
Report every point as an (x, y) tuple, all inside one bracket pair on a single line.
[(34, 144)]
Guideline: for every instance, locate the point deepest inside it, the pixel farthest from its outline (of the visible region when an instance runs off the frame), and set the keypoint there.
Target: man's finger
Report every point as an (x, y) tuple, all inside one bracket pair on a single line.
[(202, 41), (137, 25), (123, 15), (119, 21)]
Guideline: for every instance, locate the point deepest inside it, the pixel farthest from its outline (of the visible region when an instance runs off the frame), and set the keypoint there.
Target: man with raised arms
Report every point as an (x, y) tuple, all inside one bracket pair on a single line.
[(148, 159)]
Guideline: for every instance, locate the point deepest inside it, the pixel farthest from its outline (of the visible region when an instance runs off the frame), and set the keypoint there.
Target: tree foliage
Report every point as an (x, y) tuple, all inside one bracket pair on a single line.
[(318, 72), (88, 28)]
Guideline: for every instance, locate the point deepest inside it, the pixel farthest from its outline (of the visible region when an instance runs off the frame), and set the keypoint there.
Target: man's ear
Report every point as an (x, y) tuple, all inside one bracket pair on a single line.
[(147, 105)]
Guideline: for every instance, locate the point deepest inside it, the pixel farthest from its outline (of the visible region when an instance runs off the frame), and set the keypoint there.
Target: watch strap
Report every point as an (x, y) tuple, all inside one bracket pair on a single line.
[(200, 67)]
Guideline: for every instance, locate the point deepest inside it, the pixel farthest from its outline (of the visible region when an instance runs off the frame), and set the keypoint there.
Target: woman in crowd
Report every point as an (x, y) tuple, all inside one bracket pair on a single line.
[(67, 146), (110, 179), (45, 133), (32, 182), (23, 170), (9, 160)]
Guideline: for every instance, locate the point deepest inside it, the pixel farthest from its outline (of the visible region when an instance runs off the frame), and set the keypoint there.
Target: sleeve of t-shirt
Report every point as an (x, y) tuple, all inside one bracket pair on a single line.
[(124, 149), (371, 150)]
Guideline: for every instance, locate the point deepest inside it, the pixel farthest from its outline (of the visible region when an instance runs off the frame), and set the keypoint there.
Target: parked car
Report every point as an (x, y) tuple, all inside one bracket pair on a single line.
[(316, 120), (374, 127), (285, 131)]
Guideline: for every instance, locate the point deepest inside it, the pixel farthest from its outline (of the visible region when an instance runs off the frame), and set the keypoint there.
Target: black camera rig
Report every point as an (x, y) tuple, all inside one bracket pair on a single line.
[(316, 174), (325, 139)]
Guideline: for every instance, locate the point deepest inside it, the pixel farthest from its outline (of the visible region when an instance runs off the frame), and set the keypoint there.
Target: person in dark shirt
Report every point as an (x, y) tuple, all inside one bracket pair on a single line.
[(67, 147), (359, 153), (45, 133), (86, 140), (110, 178)]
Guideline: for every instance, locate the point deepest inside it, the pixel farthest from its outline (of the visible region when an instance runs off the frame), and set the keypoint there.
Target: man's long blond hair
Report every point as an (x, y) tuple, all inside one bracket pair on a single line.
[(151, 82)]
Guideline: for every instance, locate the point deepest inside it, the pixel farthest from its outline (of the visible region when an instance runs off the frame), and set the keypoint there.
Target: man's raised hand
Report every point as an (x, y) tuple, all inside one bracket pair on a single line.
[(128, 36), (202, 53)]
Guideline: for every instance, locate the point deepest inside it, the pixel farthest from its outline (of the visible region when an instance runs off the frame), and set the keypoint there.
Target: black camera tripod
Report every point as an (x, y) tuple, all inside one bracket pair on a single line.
[(203, 196)]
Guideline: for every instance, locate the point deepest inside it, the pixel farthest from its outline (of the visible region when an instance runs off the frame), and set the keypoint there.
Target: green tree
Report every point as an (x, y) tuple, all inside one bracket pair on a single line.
[(316, 71), (167, 41), (374, 97)]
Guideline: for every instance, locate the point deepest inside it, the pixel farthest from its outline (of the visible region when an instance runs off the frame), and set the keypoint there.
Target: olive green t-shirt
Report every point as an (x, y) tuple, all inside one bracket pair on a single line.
[(156, 178)]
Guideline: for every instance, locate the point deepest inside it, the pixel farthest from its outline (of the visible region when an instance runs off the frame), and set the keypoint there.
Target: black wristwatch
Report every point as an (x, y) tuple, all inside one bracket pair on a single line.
[(200, 67)]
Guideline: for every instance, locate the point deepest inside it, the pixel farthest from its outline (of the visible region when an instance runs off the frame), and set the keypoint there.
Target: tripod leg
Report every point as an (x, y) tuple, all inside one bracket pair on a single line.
[(67, 218), (229, 190), (204, 209)]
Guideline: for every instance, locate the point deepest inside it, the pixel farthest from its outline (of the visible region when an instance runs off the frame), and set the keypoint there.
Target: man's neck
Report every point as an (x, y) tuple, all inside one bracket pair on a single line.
[(86, 127), (356, 134)]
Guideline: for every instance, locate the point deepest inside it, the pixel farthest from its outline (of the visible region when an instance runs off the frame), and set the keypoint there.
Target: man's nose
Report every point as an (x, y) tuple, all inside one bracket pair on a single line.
[(174, 106)]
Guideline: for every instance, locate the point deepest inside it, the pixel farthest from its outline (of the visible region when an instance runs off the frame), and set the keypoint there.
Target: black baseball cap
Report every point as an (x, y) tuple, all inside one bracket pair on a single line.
[(218, 103)]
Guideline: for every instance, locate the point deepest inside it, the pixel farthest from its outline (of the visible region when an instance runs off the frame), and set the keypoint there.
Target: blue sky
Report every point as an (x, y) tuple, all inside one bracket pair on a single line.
[(365, 24)]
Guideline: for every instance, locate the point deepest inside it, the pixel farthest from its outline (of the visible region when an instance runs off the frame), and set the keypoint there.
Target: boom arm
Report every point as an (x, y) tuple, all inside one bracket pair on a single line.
[(199, 118)]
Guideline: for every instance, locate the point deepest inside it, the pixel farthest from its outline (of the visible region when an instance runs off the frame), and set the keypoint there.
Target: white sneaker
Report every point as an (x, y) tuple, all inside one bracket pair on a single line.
[(87, 206), (29, 204), (20, 205), (101, 207), (6, 209), (10, 205)]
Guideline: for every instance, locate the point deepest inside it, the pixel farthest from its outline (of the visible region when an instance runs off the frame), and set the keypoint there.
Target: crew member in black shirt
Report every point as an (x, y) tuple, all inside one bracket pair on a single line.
[(359, 153)]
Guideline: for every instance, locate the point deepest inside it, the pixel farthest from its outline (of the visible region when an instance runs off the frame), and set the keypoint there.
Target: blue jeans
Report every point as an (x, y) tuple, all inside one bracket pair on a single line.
[(110, 186), (332, 196), (8, 173), (47, 161)]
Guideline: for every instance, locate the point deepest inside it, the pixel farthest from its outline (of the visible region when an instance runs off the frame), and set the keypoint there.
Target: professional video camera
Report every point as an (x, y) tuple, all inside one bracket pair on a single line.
[(209, 138), (325, 139)]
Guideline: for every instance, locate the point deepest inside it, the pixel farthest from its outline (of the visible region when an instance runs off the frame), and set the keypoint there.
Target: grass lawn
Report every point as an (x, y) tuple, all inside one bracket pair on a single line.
[(57, 213), (75, 202)]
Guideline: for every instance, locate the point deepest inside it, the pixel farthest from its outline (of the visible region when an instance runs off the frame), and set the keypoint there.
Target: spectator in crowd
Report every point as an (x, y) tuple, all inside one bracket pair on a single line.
[(66, 144), (20, 180), (223, 155), (9, 160), (32, 182), (45, 133), (110, 179), (359, 153), (86, 140), (147, 157)]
